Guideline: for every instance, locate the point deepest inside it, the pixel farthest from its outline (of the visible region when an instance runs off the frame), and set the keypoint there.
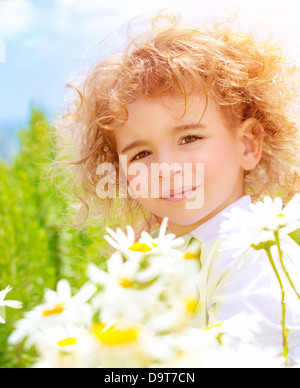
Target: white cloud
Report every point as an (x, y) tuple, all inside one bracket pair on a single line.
[(16, 16), (109, 15), (94, 14), (96, 18)]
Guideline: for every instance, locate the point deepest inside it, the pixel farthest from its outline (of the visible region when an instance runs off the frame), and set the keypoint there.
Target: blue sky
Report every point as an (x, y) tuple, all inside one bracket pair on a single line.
[(46, 41)]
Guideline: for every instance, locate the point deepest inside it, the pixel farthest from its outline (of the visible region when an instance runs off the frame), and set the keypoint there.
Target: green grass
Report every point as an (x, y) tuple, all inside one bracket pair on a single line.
[(38, 246)]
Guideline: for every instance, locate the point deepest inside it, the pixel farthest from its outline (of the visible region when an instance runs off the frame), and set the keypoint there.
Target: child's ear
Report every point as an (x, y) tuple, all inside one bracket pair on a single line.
[(251, 134)]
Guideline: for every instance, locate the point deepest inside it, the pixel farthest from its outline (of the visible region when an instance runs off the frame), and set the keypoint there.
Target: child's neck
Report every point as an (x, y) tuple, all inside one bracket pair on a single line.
[(180, 230)]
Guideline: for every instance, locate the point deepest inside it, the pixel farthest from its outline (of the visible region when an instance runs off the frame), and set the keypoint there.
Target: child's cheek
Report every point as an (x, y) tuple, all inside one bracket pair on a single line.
[(139, 181), (222, 166)]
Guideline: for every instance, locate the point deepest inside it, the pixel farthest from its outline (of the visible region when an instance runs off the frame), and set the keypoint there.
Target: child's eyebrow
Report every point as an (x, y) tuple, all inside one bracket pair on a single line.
[(176, 129), (183, 127)]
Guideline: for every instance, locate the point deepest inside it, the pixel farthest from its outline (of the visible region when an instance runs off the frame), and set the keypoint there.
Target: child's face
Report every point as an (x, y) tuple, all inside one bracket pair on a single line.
[(162, 135)]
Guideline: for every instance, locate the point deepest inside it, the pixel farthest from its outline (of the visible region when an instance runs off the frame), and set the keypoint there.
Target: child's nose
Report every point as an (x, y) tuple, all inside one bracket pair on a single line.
[(169, 164), (167, 155)]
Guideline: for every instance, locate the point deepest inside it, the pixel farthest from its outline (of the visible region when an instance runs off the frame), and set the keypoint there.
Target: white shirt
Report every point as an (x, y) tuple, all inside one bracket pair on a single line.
[(226, 289)]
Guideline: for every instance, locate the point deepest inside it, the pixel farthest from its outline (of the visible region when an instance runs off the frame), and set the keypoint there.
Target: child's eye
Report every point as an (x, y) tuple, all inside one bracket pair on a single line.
[(140, 155), (189, 139)]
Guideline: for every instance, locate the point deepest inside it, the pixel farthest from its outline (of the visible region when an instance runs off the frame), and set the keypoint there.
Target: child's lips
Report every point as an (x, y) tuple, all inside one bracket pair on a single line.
[(178, 195)]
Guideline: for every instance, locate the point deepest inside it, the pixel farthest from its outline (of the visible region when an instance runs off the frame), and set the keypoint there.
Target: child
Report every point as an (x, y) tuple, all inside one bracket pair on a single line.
[(195, 95)]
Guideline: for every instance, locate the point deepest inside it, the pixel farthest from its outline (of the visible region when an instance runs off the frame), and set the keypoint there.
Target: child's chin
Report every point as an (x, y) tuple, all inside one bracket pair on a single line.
[(188, 217)]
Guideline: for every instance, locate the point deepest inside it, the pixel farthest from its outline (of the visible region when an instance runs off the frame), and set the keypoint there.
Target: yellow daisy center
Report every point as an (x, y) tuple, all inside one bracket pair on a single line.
[(125, 283), (67, 342), (113, 336), (58, 309), (141, 247)]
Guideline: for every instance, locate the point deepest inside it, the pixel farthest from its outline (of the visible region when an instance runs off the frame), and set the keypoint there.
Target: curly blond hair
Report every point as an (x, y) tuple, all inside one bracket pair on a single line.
[(246, 77)]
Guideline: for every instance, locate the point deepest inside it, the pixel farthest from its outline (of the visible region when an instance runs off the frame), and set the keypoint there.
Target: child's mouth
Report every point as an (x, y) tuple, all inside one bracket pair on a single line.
[(179, 195)]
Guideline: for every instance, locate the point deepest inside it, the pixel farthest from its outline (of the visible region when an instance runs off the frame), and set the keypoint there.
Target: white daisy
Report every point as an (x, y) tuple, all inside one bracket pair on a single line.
[(165, 243), (119, 240), (8, 303), (291, 214), (125, 243), (59, 309), (122, 295), (142, 279), (266, 215), (59, 348), (254, 228), (118, 344)]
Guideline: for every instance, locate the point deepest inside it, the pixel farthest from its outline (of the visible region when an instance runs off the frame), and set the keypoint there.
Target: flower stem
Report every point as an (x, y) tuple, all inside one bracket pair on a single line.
[(283, 305), (282, 263)]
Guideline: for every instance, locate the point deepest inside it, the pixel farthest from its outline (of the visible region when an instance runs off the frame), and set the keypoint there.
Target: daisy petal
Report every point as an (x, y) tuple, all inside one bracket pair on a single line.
[(12, 304)]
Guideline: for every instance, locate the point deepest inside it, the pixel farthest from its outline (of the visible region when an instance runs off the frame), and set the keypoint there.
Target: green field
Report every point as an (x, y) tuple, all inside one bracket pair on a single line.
[(38, 244)]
